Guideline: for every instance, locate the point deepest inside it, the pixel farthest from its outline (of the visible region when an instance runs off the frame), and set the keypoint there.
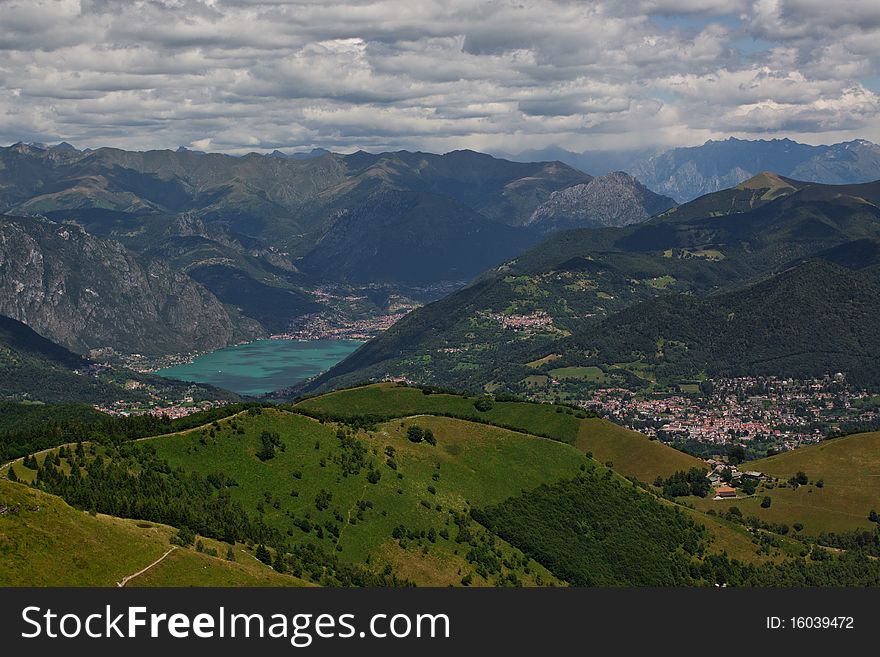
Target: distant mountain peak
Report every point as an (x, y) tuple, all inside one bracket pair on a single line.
[(299, 155), (767, 180), (615, 199)]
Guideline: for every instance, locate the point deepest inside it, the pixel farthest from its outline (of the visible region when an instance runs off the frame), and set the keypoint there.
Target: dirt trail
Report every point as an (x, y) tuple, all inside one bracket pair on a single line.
[(126, 580)]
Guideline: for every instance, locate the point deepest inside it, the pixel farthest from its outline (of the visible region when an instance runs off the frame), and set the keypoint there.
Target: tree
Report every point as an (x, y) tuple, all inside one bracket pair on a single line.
[(270, 441), (801, 478), (484, 404), (765, 503), (737, 454), (429, 437), (185, 537), (230, 554), (11, 474), (264, 555), (323, 499), (415, 434)]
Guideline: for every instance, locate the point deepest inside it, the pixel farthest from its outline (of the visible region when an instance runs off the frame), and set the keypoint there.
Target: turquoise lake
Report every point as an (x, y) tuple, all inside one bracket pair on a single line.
[(263, 366)]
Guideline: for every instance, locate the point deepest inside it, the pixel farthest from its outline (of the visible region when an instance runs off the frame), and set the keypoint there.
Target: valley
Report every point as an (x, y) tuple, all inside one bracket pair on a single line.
[(406, 369)]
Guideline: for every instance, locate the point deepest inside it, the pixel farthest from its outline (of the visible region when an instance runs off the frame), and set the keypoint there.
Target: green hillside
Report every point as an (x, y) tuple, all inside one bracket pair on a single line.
[(32, 367), (812, 319), (347, 502), (45, 542), (422, 498), (35, 369), (427, 485), (848, 469), (387, 400), (631, 453)]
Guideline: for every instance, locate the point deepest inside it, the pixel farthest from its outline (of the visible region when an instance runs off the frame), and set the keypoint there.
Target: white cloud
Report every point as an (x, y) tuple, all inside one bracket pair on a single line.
[(240, 75)]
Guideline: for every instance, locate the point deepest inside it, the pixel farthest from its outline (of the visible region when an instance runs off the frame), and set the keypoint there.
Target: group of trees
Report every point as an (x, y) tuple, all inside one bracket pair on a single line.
[(416, 434), (52, 425), (596, 530), (135, 483), (270, 441), (680, 484)]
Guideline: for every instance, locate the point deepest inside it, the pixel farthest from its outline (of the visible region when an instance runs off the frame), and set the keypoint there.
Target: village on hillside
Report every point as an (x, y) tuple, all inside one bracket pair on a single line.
[(775, 413)]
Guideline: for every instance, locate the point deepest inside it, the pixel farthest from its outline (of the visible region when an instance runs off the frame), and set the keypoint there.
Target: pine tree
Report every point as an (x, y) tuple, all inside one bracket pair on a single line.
[(263, 554), (11, 474)]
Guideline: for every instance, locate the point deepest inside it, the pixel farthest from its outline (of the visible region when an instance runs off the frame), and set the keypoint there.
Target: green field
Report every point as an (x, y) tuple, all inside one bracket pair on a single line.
[(549, 358), (592, 374), (473, 465), (631, 453), (48, 543), (850, 470), (191, 568)]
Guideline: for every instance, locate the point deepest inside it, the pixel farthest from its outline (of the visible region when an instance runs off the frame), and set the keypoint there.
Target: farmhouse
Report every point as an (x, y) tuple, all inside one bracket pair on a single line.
[(724, 492)]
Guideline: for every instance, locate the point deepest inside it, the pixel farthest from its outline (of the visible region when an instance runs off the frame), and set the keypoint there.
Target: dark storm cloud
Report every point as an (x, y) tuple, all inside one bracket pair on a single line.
[(241, 75)]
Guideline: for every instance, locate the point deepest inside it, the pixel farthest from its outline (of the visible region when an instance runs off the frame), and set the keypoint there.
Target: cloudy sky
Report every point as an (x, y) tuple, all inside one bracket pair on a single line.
[(497, 75)]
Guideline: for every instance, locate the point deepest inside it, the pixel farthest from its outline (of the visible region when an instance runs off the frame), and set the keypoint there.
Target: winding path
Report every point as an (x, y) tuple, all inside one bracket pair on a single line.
[(126, 580)]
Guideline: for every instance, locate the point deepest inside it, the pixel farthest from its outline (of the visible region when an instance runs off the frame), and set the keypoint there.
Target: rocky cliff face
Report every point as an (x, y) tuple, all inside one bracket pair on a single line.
[(616, 199), (87, 293)]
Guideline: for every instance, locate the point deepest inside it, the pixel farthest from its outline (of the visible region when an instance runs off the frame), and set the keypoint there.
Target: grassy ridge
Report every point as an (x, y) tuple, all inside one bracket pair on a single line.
[(388, 400), (631, 453), (48, 543), (375, 497)]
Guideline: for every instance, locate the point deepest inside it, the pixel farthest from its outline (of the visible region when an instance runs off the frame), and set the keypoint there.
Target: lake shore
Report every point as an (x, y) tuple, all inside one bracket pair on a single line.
[(261, 366)]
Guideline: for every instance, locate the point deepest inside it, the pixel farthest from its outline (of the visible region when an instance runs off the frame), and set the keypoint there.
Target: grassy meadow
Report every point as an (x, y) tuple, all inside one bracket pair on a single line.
[(49, 543), (849, 469)]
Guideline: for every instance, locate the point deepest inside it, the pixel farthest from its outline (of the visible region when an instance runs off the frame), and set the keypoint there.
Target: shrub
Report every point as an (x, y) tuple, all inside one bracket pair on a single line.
[(484, 404)]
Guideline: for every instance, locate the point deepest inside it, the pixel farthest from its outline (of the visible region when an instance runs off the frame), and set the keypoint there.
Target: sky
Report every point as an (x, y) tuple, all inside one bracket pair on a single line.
[(498, 75)]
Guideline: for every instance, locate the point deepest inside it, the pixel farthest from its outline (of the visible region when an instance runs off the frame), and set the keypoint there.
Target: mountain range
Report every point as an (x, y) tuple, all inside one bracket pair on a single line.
[(740, 281), (689, 172), (86, 293), (172, 251), (272, 238)]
